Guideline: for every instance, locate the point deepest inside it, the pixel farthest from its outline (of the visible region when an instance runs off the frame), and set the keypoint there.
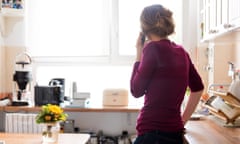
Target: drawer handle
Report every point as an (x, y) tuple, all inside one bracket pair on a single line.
[(213, 31), (226, 26)]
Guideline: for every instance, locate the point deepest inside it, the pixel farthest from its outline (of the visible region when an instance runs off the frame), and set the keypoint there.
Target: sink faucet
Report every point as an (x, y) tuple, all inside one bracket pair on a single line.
[(231, 70)]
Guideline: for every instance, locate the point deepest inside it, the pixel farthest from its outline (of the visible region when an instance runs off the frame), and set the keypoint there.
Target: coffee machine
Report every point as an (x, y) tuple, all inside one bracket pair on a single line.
[(59, 82), (22, 78)]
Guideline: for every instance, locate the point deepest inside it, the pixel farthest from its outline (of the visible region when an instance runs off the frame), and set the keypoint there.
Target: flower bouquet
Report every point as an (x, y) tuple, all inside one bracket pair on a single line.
[(50, 115)]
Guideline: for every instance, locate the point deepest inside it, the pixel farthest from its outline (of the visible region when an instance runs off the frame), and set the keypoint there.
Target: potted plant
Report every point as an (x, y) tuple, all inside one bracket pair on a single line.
[(50, 116)]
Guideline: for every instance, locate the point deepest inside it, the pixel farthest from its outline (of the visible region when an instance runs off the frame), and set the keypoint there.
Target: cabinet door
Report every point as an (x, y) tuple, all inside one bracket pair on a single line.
[(213, 16), (224, 12), (210, 17), (206, 13), (206, 18), (219, 12), (218, 17), (234, 13)]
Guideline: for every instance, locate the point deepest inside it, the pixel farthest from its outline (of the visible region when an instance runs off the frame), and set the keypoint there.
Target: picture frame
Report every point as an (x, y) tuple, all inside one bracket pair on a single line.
[(9, 6)]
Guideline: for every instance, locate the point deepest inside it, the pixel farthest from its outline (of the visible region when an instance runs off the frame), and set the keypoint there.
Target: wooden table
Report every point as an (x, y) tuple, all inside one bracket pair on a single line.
[(13, 138), (211, 130)]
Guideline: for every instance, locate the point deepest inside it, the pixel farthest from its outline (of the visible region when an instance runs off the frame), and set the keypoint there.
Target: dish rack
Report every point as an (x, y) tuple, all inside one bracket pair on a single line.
[(223, 105)]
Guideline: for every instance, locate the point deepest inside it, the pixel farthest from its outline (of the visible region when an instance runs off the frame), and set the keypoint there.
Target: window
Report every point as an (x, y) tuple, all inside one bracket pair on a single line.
[(81, 28), (129, 26), (68, 28), (91, 42)]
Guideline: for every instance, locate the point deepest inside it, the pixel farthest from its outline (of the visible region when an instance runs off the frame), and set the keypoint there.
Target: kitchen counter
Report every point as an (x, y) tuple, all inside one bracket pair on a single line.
[(14, 138), (207, 130), (94, 109), (211, 130)]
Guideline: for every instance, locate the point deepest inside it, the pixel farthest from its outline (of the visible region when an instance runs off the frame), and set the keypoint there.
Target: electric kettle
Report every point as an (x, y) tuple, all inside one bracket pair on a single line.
[(59, 82)]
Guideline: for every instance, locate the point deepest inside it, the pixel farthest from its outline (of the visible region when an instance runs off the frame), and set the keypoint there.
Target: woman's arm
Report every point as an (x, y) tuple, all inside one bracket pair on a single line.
[(143, 68), (139, 47), (191, 105)]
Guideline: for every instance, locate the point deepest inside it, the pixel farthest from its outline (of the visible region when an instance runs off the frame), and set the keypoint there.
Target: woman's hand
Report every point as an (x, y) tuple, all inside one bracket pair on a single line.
[(139, 47)]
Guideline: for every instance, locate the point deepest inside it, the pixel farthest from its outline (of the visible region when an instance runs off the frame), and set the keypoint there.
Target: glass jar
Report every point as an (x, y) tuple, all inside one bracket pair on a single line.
[(50, 132)]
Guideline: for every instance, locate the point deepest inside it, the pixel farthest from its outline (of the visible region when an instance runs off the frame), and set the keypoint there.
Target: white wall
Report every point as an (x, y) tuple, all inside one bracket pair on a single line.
[(2, 72), (13, 40), (227, 48), (14, 31), (2, 58), (2, 68)]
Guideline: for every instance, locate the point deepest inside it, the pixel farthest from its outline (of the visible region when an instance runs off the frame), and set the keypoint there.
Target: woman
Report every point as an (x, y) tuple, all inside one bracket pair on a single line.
[(162, 72)]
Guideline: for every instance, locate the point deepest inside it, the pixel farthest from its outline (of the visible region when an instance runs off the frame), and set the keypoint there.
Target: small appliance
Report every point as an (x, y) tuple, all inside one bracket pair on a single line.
[(79, 99), (22, 78), (115, 97), (50, 94), (46, 95), (59, 82)]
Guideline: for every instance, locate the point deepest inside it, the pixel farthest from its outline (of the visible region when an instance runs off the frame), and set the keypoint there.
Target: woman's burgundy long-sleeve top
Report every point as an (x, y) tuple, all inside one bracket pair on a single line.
[(162, 76)]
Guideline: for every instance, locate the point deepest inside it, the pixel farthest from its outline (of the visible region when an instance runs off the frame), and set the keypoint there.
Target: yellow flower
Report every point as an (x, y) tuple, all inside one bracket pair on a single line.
[(51, 113), (55, 109), (47, 117)]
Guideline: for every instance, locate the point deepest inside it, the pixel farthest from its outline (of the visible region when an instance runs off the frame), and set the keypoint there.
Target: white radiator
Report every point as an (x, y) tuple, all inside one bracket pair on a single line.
[(21, 123)]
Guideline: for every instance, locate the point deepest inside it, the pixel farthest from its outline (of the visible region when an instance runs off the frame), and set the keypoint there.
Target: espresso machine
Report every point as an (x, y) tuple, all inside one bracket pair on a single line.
[(22, 78)]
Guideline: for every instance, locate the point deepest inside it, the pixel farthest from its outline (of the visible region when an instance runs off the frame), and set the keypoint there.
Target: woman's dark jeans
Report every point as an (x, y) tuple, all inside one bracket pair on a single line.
[(156, 137)]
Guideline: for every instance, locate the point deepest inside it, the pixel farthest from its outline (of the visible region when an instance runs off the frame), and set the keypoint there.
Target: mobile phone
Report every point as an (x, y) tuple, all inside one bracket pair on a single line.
[(143, 39)]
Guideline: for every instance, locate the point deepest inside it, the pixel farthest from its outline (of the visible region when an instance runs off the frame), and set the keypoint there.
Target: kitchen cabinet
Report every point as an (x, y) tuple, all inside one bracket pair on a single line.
[(220, 20), (209, 17), (218, 17)]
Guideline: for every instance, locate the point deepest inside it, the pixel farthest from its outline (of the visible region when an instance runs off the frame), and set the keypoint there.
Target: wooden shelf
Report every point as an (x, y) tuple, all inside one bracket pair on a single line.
[(9, 12), (93, 109)]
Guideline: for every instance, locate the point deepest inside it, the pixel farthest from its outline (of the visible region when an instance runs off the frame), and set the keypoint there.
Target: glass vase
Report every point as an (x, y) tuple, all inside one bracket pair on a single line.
[(50, 133)]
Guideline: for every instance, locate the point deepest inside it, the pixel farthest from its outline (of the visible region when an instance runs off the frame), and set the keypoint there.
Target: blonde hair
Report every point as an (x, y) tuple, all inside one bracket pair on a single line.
[(157, 20)]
